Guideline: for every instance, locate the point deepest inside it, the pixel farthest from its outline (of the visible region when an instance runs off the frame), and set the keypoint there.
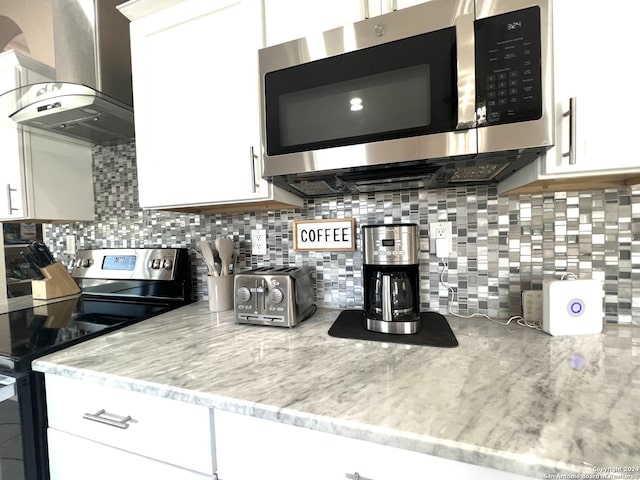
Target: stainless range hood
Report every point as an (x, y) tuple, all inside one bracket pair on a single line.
[(91, 98)]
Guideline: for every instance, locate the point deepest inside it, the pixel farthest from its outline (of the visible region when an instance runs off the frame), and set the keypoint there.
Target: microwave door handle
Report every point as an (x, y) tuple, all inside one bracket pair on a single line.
[(465, 58)]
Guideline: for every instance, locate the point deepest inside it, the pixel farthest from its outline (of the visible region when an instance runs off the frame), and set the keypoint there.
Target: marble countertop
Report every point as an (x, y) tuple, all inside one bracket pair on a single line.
[(508, 397)]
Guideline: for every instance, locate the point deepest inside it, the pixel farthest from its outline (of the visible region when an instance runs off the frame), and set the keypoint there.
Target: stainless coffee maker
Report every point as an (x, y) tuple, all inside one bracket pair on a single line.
[(391, 278)]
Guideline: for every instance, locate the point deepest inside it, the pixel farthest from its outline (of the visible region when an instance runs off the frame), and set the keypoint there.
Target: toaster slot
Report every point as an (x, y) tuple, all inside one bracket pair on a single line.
[(261, 293)]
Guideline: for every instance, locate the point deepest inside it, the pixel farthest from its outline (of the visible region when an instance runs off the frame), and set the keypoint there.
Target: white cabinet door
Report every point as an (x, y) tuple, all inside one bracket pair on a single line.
[(195, 86), (287, 20), (12, 200), (12, 194), (594, 70), (285, 452), (167, 430), (45, 176), (569, 82), (606, 108), (76, 458), (291, 19)]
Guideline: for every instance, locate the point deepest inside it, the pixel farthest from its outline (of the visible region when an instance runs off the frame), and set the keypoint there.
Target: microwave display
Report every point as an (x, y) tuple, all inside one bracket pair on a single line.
[(508, 67), (399, 89)]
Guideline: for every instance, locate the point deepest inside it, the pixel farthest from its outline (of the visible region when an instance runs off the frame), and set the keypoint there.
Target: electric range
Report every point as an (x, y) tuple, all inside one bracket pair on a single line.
[(119, 287)]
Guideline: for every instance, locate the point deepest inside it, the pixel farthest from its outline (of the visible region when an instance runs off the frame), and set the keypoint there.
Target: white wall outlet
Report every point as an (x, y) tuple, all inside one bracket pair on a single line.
[(258, 241), (70, 246), (441, 239)]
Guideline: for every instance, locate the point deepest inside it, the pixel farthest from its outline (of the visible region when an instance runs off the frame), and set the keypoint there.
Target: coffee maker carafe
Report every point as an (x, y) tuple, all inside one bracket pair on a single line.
[(391, 278)]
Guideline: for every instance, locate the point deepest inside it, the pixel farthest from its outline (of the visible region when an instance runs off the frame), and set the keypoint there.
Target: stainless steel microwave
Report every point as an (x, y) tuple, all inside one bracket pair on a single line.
[(418, 96)]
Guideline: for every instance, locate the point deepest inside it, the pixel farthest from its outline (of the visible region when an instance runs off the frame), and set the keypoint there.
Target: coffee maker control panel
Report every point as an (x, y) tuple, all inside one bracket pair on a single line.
[(395, 245)]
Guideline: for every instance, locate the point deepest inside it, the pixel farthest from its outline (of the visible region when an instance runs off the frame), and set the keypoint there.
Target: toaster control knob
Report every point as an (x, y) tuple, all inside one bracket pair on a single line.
[(244, 294), (276, 295)]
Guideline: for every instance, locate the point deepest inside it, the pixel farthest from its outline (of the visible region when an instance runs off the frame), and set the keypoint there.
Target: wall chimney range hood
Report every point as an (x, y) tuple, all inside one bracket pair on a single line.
[(91, 98)]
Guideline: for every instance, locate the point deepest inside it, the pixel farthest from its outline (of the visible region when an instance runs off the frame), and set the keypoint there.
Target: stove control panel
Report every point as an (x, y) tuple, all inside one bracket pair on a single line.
[(126, 263)]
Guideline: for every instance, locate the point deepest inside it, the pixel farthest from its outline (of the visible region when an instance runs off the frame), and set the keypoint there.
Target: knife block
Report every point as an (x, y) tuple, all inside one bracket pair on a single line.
[(56, 283)]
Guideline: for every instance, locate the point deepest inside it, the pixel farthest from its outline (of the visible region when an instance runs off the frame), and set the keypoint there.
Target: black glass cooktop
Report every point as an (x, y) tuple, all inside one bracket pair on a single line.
[(36, 331)]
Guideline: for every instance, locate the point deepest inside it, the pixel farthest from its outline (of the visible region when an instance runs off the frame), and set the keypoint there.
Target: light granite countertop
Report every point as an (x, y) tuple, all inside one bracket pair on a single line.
[(508, 397)]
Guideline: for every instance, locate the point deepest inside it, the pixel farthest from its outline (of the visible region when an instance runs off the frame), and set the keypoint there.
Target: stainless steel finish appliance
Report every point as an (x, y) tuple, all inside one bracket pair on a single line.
[(91, 97), (391, 278), (281, 296), (119, 287), (445, 92)]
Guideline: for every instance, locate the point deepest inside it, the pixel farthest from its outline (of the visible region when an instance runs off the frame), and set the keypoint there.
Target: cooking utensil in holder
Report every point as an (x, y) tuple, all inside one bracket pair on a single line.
[(57, 283)]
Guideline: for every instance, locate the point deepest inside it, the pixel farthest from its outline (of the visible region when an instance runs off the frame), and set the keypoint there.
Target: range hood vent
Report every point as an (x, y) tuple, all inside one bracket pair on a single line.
[(91, 98)]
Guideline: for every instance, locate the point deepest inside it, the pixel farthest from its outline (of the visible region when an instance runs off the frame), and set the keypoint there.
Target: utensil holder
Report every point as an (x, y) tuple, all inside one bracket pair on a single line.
[(220, 293), (57, 283)]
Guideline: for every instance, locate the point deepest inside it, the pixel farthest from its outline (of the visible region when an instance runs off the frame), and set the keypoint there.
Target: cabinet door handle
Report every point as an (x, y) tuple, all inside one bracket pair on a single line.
[(356, 476), (365, 4), (573, 130), (394, 5), (253, 157), (119, 422), (9, 190)]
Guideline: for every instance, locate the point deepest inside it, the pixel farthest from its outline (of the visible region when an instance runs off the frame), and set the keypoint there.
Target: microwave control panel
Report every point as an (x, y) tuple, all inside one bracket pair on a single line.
[(508, 67)]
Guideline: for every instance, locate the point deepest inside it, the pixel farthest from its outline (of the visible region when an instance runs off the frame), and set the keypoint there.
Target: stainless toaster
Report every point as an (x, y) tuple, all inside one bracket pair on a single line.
[(281, 296)]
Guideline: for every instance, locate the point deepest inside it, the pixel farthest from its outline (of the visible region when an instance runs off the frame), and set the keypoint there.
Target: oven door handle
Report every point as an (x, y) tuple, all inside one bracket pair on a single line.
[(117, 421), (7, 388), (466, 67)]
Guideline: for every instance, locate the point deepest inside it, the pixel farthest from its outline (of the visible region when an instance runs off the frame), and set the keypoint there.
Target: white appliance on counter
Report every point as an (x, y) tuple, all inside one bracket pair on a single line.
[(572, 307)]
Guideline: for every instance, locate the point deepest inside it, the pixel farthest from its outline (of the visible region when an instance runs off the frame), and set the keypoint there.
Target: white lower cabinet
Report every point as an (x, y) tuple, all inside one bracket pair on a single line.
[(76, 458), (102, 432), (252, 448)]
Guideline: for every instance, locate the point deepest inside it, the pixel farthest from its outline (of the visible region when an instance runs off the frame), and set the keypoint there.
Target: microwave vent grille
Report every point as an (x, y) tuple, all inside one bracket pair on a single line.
[(478, 173), (314, 188)]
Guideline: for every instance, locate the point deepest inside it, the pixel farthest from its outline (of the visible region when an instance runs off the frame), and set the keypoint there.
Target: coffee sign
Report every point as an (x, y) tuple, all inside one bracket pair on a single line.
[(327, 235)]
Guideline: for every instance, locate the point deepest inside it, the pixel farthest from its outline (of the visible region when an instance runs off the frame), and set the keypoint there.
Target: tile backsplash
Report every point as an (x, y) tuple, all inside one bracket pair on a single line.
[(502, 245)]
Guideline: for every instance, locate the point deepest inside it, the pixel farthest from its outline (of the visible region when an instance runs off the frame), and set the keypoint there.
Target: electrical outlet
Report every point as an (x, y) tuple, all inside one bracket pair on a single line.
[(440, 233), (258, 241), (532, 305), (70, 244)]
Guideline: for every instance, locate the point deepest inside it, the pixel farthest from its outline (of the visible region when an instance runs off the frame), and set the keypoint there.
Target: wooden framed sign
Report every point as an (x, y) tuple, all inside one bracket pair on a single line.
[(327, 235)]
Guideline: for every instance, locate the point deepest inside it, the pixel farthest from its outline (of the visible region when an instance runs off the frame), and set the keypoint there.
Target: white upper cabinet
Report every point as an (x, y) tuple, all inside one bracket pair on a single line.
[(591, 65), (196, 91), (45, 177), (290, 19)]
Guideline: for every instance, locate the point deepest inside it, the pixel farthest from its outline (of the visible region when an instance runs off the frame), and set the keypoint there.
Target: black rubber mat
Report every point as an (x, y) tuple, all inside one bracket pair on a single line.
[(434, 331)]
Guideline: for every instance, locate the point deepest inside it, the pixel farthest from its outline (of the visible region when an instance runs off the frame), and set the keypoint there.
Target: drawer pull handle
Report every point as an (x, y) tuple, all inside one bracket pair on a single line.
[(119, 422)]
